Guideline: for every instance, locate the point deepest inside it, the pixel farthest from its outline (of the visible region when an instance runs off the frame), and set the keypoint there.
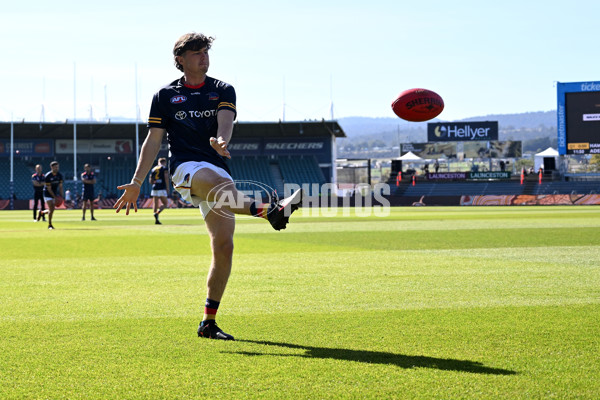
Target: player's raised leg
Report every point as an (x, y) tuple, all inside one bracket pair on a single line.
[(208, 184)]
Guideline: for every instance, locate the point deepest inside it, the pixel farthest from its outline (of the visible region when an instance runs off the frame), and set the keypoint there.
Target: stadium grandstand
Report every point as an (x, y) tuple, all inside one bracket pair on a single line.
[(499, 188), (270, 153), (274, 154)]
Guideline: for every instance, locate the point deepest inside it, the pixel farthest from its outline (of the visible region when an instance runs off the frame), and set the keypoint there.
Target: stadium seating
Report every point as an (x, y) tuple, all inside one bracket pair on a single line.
[(247, 170), (424, 188), (275, 172), (112, 173), (21, 178), (571, 187), (301, 171), (531, 186), (115, 172), (453, 189)]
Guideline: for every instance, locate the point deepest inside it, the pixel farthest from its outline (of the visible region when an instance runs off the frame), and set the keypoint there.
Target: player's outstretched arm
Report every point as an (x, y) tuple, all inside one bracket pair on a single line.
[(224, 131), (148, 153)]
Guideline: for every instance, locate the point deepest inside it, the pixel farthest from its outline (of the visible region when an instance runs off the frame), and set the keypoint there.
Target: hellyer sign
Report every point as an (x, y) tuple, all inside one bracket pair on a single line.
[(462, 131)]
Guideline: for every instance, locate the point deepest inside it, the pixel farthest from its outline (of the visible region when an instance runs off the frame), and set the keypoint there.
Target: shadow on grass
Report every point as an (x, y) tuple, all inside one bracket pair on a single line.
[(379, 357)]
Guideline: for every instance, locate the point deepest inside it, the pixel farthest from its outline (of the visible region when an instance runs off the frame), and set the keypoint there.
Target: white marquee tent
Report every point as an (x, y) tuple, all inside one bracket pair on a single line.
[(538, 159), (410, 156)]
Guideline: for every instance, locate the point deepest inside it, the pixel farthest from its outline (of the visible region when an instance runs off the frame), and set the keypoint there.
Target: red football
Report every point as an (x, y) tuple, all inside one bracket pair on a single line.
[(418, 105), (58, 201)]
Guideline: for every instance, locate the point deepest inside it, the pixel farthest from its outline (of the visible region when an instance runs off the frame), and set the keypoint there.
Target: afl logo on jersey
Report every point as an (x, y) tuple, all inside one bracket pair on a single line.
[(178, 99), (180, 115)]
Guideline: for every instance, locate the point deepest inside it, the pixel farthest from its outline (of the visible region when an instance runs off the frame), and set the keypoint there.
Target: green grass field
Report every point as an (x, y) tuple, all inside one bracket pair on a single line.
[(480, 303)]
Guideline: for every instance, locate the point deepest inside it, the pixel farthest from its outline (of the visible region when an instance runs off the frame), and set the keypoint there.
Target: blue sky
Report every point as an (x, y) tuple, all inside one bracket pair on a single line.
[(482, 57)]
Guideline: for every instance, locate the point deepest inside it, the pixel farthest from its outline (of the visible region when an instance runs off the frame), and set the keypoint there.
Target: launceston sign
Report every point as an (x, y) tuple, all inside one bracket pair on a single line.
[(459, 176), (490, 175)]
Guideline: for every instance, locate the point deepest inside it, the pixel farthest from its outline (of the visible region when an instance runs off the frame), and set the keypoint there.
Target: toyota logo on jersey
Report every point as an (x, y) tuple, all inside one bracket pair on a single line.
[(180, 115)]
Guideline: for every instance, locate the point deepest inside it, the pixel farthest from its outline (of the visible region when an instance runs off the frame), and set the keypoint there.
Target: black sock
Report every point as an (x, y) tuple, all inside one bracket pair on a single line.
[(210, 311)]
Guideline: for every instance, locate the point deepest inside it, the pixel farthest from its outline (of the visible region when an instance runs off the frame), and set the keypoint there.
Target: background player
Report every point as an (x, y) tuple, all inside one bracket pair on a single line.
[(37, 180), (89, 180), (159, 179), (53, 188), (197, 114)]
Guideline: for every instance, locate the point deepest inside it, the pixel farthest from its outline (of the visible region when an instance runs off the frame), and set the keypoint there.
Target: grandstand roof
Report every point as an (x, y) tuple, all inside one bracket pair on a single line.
[(110, 130)]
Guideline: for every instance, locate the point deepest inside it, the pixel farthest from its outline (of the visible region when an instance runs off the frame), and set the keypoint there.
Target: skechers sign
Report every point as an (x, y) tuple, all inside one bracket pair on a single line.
[(462, 131)]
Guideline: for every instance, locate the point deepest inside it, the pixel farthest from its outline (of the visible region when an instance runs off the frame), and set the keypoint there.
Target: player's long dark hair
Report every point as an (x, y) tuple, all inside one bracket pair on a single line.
[(191, 41)]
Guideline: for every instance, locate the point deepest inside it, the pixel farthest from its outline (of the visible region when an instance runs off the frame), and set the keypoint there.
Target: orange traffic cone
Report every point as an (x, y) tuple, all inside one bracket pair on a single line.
[(522, 175)]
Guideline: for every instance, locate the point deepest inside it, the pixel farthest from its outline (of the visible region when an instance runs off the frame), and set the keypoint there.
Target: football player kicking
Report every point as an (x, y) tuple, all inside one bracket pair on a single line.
[(197, 113)]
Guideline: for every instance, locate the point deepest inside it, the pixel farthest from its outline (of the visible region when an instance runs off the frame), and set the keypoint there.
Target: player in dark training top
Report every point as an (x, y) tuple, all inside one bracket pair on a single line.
[(38, 181), (159, 179), (197, 113), (53, 188), (88, 178), (190, 111)]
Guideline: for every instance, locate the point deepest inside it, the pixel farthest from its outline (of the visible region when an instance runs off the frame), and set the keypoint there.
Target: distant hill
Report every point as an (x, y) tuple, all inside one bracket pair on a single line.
[(529, 120), (359, 126), (381, 137)]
